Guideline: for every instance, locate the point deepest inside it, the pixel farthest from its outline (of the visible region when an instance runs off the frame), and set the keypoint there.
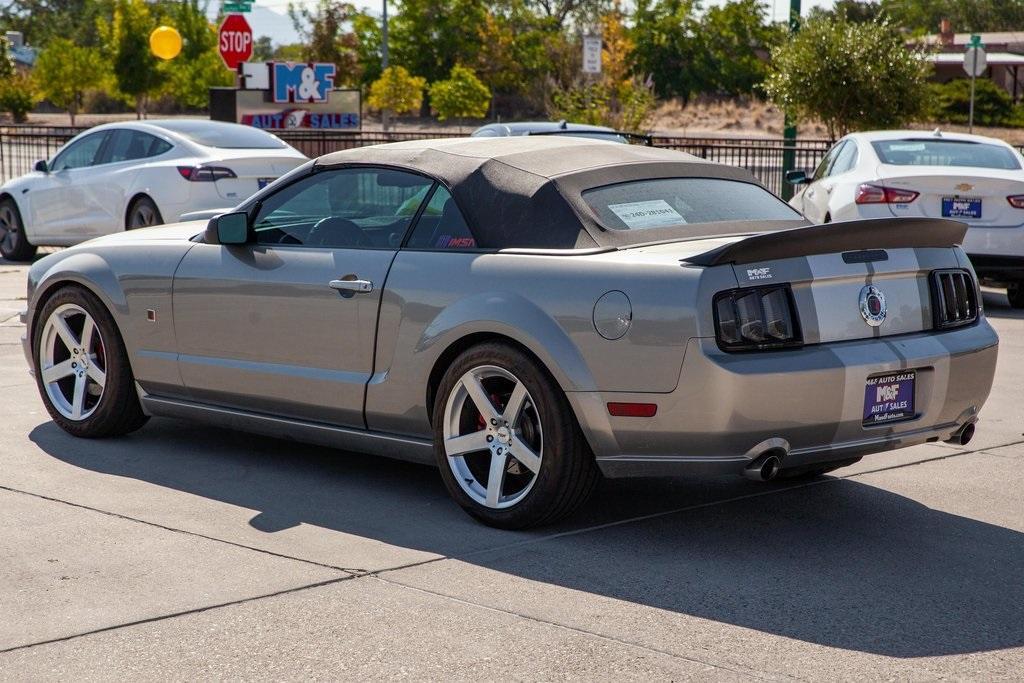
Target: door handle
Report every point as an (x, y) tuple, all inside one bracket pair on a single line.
[(361, 286)]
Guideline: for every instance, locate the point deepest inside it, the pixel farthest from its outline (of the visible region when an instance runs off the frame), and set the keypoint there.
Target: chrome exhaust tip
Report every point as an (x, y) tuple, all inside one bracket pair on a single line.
[(764, 468), (963, 435)]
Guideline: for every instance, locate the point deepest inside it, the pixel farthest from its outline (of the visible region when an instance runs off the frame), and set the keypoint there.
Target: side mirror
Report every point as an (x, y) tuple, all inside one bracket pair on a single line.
[(228, 228), (41, 166), (797, 178)]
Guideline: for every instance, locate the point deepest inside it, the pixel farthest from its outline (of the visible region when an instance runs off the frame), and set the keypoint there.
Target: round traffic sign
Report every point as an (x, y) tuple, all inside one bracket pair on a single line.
[(234, 40)]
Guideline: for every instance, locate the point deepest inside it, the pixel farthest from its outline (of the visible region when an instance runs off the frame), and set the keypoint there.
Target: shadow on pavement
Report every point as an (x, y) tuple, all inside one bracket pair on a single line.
[(842, 564), (998, 306)]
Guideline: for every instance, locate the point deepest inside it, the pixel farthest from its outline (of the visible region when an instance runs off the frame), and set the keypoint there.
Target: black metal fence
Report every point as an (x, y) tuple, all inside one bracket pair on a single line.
[(22, 146)]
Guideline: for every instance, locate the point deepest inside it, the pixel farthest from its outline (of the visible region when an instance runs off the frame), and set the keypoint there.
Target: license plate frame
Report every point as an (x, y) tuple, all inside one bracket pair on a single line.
[(961, 207), (890, 397)]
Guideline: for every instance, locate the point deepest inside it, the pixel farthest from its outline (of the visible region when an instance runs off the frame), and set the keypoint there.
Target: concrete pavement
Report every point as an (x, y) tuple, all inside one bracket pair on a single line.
[(184, 551)]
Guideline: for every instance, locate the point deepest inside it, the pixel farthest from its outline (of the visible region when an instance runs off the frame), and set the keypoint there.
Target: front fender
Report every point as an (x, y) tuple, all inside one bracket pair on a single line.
[(86, 269)]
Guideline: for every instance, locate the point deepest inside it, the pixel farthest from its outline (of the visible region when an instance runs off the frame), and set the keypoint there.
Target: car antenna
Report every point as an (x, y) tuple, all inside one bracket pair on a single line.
[(937, 132), (563, 124)]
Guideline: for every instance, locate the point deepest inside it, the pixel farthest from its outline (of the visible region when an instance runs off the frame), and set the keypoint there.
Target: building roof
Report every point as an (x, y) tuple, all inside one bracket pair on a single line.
[(991, 58), (991, 38), (526, 191)]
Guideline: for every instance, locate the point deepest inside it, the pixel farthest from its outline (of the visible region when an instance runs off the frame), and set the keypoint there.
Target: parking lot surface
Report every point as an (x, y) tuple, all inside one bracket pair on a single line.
[(187, 551)]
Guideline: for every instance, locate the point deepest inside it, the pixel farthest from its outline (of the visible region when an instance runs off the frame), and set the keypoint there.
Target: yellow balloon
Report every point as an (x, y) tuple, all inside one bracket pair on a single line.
[(165, 42)]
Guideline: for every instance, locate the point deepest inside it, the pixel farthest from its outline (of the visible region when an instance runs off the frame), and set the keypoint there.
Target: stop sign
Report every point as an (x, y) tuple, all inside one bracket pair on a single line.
[(234, 39)]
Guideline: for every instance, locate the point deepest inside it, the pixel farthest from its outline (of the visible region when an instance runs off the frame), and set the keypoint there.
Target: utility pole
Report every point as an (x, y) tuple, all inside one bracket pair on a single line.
[(384, 60), (789, 133)]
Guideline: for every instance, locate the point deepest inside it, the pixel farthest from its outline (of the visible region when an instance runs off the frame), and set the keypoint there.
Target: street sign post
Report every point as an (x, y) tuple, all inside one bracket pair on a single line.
[(591, 54), (975, 63), (234, 41), (235, 6)]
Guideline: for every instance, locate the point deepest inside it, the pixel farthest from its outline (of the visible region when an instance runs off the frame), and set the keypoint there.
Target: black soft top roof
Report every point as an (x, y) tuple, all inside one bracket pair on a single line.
[(525, 192)]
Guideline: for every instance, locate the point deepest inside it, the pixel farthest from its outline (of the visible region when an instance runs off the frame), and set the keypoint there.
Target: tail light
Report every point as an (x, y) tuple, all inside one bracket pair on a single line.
[(876, 194), (205, 174), (756, 318), (1016, 201), (954, 298)]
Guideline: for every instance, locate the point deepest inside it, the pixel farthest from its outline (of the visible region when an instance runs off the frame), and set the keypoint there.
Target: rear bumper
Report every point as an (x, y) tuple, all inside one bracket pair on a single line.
[(730, 408)]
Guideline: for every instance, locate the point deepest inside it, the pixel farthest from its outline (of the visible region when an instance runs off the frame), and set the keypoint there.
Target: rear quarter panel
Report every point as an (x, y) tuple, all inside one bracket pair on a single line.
[(433, 300)]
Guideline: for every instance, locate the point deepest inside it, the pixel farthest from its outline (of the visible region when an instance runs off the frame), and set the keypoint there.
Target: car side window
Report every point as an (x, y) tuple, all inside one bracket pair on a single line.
[(442, 225), (367, 208), (128, 145), (822, 170), (845, 160), (81, 153)]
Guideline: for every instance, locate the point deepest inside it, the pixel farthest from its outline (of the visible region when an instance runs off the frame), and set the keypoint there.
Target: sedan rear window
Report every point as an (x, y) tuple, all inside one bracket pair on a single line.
[(223, 135), (945, 153), (664, 202)]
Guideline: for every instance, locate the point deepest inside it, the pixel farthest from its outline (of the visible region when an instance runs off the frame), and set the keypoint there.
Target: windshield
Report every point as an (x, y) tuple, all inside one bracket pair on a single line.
[(223, 135), (665, 202), (945, 153)]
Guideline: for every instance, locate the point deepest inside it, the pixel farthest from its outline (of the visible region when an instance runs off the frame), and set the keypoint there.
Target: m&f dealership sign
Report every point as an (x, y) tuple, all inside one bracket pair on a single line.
[(278, 95)]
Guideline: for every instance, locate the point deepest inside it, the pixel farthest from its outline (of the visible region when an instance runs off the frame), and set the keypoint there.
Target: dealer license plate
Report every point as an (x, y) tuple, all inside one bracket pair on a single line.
[(263, 182), (889, 398), (954, 207)]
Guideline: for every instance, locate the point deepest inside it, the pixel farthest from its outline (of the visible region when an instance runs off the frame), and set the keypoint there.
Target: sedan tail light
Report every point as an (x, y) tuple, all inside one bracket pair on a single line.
[(1016, 201), (954, 298), (876, 194), (756, 318), (205, 174)]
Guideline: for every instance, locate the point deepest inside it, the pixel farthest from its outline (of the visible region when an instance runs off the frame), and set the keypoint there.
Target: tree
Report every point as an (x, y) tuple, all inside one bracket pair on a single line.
[(397, 91), (326, 38), (667, 47), (736, 39), (857, 11), (16, 96), (262, 49), (42, 20), (187, 78), (65, 71), (924, 16), (126, 40), (850, 76), (429, 37), (950, 103), (461, 95)]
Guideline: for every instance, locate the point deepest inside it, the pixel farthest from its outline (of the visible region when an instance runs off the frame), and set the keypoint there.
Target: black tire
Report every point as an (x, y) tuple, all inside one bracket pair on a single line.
[(117, 410), (14, 244), (142, 214), (567, 474), (1015, 293), (814, 471)]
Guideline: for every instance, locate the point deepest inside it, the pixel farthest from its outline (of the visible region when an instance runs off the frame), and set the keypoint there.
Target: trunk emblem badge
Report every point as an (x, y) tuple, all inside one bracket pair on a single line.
[(872, 305), (964, 187)]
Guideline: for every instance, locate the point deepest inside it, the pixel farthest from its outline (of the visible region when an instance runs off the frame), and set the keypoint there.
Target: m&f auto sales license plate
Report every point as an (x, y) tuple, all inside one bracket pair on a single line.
[(889, 398)]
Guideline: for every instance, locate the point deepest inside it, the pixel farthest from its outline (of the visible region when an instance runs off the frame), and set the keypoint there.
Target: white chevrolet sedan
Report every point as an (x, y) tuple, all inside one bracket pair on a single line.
[(970, 178), (121, 176)]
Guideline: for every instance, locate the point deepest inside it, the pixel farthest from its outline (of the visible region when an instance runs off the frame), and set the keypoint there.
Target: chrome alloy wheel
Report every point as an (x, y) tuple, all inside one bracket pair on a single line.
[(8, 227), (493, 437), (73, 363)]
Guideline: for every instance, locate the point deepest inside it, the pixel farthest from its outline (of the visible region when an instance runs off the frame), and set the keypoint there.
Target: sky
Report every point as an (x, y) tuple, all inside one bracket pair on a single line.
[(270, 17)]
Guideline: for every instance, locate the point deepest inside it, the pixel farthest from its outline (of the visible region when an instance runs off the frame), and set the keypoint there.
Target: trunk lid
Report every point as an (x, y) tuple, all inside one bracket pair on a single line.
[(253, 173), (829, 267), (975, 192)]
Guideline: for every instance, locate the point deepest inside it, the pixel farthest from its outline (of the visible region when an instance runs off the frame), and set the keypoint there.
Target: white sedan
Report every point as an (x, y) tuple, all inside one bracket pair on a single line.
[(121, 176), (974, 179)]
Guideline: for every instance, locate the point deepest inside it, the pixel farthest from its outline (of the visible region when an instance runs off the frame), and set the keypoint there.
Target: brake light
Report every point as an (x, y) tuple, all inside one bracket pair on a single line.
[(1016, 201), (876, 194), (954, 298), (756, 318), (205, 174)]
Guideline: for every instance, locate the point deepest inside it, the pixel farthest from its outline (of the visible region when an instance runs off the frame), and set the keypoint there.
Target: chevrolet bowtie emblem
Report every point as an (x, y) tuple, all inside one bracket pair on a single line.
[(964, 187)]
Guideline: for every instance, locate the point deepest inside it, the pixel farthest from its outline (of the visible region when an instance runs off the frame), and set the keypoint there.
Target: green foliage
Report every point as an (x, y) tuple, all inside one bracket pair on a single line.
[(850, 76), (950, 103), (857, 11), (65, 71), (923, 16), (397, 91), (461, 95), (42, 20), (6, 61), (187, 78), (685, 52), (126, 43), (326, 38), (17, 97), (429, 37), (262, 49)]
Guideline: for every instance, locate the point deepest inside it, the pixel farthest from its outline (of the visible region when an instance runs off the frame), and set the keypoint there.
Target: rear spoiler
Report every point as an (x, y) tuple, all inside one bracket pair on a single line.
[(871, 233)]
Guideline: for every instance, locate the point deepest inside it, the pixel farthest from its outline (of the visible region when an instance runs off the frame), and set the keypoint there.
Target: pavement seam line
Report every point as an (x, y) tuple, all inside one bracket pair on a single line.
[(117, 515), (182, 613), (567, 627)]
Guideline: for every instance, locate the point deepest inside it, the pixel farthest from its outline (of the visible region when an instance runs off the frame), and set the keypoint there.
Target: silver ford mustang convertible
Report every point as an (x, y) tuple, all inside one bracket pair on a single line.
[(528, 314)]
